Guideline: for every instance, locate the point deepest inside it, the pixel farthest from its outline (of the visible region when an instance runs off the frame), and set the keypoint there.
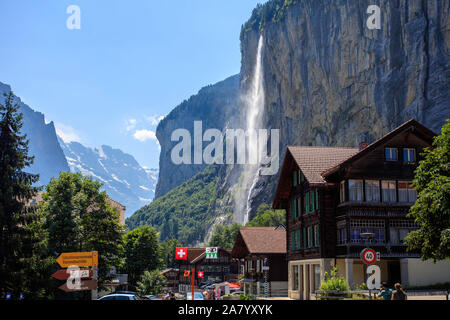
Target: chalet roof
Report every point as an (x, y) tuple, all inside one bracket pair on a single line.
[(194, 253), (264, 239), (411, 125), (315, 160)]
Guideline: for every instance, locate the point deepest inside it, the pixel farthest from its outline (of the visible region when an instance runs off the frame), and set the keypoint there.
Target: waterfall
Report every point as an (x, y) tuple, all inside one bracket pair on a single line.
[(254, 103)]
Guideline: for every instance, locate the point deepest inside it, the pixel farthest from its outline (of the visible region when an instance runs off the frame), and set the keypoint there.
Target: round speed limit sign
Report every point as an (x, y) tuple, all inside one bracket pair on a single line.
[(369, 256)]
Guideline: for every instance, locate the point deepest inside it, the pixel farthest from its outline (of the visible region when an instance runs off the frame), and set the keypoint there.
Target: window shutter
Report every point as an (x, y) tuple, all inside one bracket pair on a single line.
[(294, 178), (307, 202), (298, 239), (294, 208), (317, 199), (292, 241)]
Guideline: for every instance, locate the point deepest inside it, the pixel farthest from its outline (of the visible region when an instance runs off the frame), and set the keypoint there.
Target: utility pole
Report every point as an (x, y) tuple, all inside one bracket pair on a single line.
[(94, 293), (193, 282)]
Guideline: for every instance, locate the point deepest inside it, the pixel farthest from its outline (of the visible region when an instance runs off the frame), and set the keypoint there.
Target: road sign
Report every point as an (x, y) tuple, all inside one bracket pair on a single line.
[(84, 286), (368, 256), (211, 253), (181, 253), (64, 274), (79, 259), (201, 274)]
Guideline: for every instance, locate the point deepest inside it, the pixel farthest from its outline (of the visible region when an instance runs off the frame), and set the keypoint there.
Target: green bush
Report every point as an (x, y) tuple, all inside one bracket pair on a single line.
[(333, 285)]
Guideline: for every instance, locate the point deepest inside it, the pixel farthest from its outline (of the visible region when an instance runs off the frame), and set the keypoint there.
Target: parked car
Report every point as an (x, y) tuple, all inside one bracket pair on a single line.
[(120, 296), (197, 296)]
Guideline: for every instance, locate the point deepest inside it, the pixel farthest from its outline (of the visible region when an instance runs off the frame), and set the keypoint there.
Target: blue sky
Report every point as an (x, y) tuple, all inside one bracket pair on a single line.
[(131, 62)]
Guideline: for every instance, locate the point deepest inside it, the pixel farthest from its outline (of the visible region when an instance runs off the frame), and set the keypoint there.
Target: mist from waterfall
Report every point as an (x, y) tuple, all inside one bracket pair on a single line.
[(254, 104)]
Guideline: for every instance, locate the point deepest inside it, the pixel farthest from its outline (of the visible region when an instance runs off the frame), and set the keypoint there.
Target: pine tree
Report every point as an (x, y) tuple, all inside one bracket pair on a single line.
[(16, 191)]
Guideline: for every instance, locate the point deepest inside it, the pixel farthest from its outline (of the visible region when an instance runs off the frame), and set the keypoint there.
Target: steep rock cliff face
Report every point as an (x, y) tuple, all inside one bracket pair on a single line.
[(217, 106), (329, 80), (49, 158)]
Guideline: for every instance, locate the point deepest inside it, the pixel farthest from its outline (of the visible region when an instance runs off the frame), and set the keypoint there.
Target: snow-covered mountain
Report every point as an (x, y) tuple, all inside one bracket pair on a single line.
[(123, 178)]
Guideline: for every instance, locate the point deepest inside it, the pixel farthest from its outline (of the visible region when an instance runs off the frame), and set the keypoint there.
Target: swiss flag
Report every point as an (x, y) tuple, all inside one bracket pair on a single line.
[(200, 274), (181, 253)]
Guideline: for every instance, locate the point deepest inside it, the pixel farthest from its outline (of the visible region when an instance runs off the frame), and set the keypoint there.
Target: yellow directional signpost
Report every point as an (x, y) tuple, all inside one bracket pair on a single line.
[(77, 260), (80, 259)]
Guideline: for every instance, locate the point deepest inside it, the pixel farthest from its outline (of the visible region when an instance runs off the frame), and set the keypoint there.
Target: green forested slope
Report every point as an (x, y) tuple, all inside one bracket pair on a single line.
[(185, 212)]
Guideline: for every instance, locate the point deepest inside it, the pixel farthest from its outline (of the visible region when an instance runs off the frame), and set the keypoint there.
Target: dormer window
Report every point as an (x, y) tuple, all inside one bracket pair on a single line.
[(391, 154), (409, 155)]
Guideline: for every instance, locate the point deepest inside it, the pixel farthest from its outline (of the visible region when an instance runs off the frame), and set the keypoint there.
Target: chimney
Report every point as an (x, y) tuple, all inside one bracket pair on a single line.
[(363, 145)]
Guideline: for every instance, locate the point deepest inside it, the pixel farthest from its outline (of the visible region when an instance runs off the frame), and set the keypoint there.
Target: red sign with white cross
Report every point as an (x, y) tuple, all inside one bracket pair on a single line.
[(181, 253), (201, 274)]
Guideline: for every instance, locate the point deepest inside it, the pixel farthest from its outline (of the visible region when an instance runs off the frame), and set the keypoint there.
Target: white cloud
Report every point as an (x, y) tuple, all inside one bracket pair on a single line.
[(130, 124), (144, 135), (67, 133), (154, 120)]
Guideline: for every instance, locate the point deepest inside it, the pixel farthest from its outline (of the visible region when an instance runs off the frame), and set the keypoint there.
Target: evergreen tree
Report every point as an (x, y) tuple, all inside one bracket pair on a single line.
[(17, 238), (167, 249)]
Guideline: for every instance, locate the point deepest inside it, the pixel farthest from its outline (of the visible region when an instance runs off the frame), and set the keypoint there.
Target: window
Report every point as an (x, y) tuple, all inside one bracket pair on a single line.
[(398, 235), (372, 190), (388, 191), (406, 192), (307, 202), (317, 199), (292, 241), (316, 236), (355, 190), (409, 155), (310, 237), (341, 236), (295, 178), (295, 278), (391, 154), (312, 202), (357, 227), (294, 209), (342, 192)]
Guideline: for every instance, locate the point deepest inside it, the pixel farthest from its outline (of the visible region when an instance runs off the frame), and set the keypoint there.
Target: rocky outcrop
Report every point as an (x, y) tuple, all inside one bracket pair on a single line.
[(331, 81), (49, 158), (217, 106)]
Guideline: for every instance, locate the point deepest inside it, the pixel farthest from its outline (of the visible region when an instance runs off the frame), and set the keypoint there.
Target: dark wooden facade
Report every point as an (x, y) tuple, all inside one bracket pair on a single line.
[(340, 220)]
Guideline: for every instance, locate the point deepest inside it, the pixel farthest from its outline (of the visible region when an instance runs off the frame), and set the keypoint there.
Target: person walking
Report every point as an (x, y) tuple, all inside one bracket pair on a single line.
[(398, 293), (385, 292)]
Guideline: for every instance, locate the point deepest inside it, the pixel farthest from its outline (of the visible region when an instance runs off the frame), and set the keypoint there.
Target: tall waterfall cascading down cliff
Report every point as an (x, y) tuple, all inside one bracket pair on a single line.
[(254, 104)]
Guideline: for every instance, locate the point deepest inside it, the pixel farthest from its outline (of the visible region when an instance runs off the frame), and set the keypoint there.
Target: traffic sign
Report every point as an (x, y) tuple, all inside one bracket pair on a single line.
[(84, 286), (64, 274), (180, 253), (211, 253), (79, 259), (368, 256)]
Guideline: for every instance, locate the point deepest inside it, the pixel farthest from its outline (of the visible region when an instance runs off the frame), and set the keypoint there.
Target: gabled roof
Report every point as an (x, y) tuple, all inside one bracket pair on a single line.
[(411, 125), (312, 161), (264, 240)]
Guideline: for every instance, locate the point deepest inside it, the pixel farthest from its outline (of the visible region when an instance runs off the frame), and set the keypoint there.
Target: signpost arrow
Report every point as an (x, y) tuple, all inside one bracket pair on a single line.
[(80, 259), (84, 286), (64, 274)]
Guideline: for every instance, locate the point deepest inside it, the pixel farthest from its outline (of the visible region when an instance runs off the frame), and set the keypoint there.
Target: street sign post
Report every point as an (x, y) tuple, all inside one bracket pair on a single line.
[(64, 274), (368, 256), (79, 259), (212, 253), (84, 286)]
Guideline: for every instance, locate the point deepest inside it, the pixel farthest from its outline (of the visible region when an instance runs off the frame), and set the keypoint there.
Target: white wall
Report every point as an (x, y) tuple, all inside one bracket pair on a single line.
[(423, 273)]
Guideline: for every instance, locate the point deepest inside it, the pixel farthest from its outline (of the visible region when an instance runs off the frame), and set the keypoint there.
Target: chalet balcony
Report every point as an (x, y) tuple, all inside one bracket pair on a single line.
[(363, 209), (394, 249)]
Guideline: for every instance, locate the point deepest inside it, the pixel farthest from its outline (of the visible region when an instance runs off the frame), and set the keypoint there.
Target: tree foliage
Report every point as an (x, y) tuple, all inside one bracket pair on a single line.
[(167, 249), (432, 208), (225, 236), (184, 212), (79, 218), (142, 252), (20, 241), (151, 283), (267, 217)]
